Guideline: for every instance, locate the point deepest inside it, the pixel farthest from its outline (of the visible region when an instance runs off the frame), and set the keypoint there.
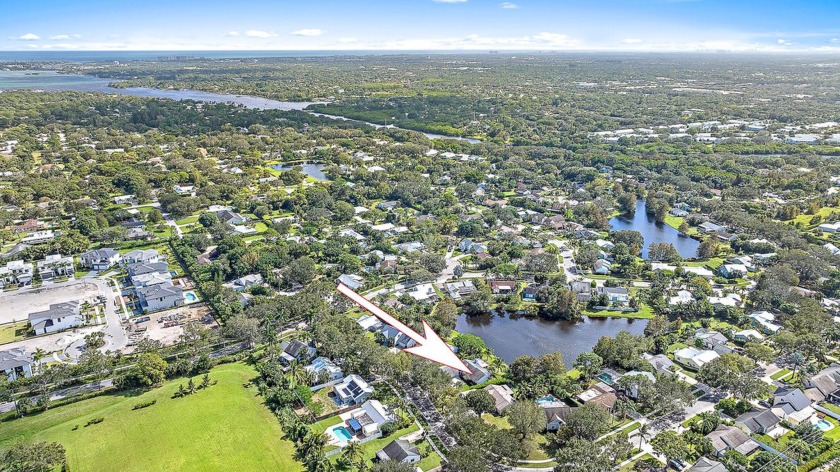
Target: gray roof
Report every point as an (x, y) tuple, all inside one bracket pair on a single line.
[(790, 399), (160, 291), (397, 450), (14, 358), (758, 421), (56, 310), (140, 268), (707, 465), (730, 437)]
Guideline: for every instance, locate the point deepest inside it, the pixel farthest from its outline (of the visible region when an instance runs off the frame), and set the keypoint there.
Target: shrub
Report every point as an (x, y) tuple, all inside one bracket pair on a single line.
[(93, 421), (142, 405)]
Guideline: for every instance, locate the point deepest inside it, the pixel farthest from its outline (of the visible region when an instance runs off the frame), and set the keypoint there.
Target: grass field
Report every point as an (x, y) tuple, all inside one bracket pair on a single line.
[(11, 332), (225, 427)]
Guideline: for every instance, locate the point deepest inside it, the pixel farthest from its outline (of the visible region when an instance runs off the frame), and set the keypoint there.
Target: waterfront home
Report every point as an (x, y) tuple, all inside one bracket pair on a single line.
[(479, 372), (660, 362), (353, 390), (732, 271), (529, 293), (459, 289), (699, 271), (502, 394), (614, 294), (58, 317), (709, 227), (600, 394), (502, 287), (16, 364), (100, 259), (695, 358)]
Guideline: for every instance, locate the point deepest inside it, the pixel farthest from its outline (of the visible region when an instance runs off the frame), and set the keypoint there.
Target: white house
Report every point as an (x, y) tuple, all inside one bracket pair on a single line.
[(695, 358), (56, 266), (39, 237), (731, 271), (764, 321), (368, 419), (16, 364), (747, 335), (352, 391), (160, 296), (399, 450), (323, 369), (100, 259), (16, 272), (146, 256), (58, 317)]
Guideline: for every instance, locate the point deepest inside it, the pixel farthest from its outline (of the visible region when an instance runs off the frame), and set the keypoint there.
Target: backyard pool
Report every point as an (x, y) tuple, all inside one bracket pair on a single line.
[(548, 399), (190, 297), (823, 425), (341, 434)]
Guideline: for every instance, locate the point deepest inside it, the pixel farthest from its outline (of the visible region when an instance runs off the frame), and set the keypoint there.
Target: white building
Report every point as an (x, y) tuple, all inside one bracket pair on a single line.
[(16, 364), (694, 358), (58, 317)]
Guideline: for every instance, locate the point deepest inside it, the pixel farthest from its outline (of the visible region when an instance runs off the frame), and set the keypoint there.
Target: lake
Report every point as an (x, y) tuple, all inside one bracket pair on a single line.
[(654, 232), (312, 169), (512, 337), (54, 82)]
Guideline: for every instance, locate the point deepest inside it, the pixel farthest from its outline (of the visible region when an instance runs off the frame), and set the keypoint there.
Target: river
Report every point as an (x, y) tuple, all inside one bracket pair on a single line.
[(511, 337), (654, 232), (53, 81)]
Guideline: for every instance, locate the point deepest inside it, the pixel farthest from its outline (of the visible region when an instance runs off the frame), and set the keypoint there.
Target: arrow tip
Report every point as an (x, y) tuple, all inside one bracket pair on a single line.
[(436, 350)]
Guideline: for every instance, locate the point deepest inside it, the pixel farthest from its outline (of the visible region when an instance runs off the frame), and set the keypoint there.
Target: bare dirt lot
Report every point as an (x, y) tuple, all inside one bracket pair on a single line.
[(167, 326), (16, 306)]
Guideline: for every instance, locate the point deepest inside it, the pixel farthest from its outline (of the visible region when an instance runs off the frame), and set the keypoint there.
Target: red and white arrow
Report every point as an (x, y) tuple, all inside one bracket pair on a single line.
[(429, 347)]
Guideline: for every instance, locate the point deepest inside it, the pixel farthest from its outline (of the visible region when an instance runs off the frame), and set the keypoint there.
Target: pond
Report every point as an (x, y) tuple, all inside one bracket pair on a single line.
[(654, 232), (312, 169), (511, 337)]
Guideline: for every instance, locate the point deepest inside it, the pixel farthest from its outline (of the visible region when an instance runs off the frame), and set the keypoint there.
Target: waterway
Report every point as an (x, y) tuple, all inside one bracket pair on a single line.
[(654, 232), (511, 337), (53, 81)]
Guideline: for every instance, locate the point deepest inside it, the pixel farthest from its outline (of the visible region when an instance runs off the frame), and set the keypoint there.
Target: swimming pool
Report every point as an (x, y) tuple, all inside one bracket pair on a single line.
[(341, 434), (190, 296), (548, 399), (823, 425), (606, 378)]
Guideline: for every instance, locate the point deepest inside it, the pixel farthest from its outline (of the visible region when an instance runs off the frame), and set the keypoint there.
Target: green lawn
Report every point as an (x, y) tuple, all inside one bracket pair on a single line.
[(187, 221), (11, 332), (782, 373), (225, 427)]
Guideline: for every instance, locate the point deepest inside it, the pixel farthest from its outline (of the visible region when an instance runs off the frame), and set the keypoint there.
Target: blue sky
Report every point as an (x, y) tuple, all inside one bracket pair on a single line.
[(626, 25)]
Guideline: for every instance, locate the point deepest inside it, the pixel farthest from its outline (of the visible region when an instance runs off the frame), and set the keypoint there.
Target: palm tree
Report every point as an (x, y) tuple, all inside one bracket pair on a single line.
[(353, 453), (298, 374), (708, 421), (644, 434), (622, 408)]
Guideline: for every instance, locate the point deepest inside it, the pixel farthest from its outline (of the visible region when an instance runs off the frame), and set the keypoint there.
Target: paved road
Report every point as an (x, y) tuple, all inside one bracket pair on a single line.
[(451, 264), (65, 393)]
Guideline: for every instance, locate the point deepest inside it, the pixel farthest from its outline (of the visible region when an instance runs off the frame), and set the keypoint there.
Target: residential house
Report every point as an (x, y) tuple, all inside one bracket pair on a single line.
[(602, 267), (661, 363), (147, 256), (408, 247), (529, 293), (726, 438), (369, 323), (731, 300), (469, 247), (699, 271), (352, 281), (632, 390), (792, 405), (709, 227), (245, 282), (747, 335), (56, 266), (712, 340), (232, 218), (600, 394), (100, 259), (479, 372), (368, 419), (705, 464), (16, 364), (614, 294), (58, 317), (824, 385), (26, 226), (296, 351), (39, 237), (502, 287), (556, 414), (682, 297), (395, 337), (694, 358), (324, 370), (352, 391), (351, 233), (461, 288), (151, 278), (387, 206), (160, 296), (764, 321), (143, 268), (125, 200), (184, 189), (423, 293), (502, 394), (757, 422), (399, 450), (733, 271), (16, 272), (583, 290)]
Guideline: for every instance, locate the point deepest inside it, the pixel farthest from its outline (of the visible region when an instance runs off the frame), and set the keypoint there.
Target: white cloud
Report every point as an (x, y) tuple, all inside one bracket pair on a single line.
[(509, 5), (450, 1), (540, 41), (308, 32), (348, 40), (29, 37), (631, 41), (782, 42), (260, 34), (64, 37), (233, 33)]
